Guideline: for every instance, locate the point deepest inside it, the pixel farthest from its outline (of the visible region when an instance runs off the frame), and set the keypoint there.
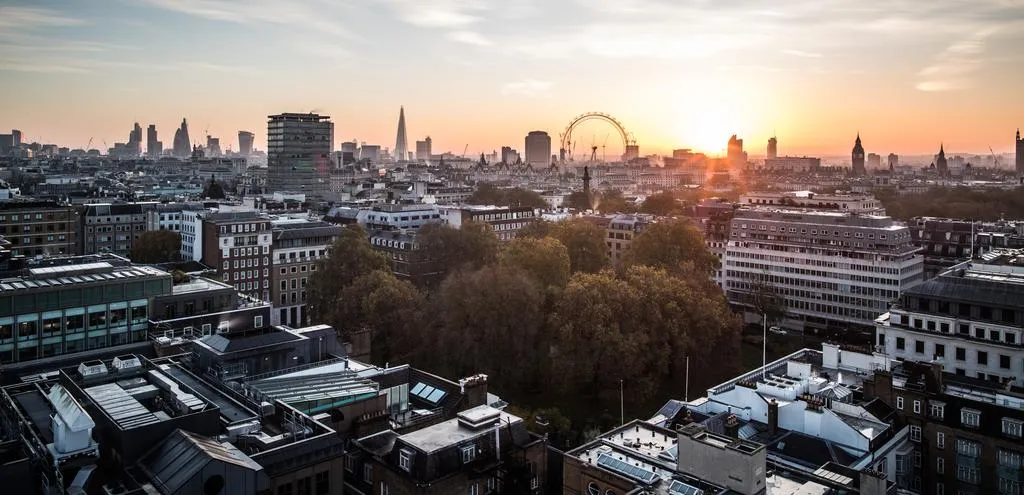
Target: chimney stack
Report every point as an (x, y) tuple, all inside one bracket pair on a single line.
[(732, 427), (474, 389), (773, 417)]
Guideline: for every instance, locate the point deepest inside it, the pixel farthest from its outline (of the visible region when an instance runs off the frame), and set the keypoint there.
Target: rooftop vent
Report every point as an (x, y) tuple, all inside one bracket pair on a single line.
[(92, 368), (127, 362), (479, 417)]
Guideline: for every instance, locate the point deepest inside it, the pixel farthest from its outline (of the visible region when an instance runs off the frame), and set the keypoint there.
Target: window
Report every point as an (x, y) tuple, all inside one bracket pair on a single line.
[(473, 489), (940, 440), (304, 486), (257, 321), (592, 489), (323, 483), (967, 473), (940, 489), (937, 410), (468, 453), (917, 407), (915, 433), (350, 463), (940, 465), (384, 489), (940, 350), (899, 403), (970, 417), (961, 354), (1012, 427), (901, 343), (982, 358), (405, 459), (285, 489), (367, 473), (919, 346), (1004, 361)]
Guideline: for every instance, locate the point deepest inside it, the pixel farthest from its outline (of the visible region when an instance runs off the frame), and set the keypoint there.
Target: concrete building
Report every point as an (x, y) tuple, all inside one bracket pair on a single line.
[(66, 305), (407, 260), (970, 320), (736, 157), (182, 144), (213, 147), (773, 148), (398, 217), (946, 242), (424, 149), (296, 247), (298, 153), (807, 200), (538, 149), (874, 161), (509, 155), (237, 245), (894, 161), (795, 164), (505, 221), (834, 271), (112, 227), (245, 140), (621, 231), (965, 432), (39, 228)]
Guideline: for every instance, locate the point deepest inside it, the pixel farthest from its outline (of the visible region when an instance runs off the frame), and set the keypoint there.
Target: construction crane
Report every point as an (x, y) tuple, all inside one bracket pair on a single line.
[(994, 157), (88, 145), (465, 150)]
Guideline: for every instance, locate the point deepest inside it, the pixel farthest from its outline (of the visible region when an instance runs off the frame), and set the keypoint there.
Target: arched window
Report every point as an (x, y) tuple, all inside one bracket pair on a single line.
[(592, 489)]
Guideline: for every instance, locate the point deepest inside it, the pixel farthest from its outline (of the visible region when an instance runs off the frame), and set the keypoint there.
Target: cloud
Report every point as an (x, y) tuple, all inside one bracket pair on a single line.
[(449, 14), (469, 37), (801, 53), (13, 17), (529, 88), (303, 14), (953, 68)]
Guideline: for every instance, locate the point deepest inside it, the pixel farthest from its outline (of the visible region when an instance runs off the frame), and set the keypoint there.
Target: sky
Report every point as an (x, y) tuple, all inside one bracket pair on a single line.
[(906, 74)]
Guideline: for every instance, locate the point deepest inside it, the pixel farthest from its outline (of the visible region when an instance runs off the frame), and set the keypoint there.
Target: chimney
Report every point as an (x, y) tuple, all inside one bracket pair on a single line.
[(474, 389), (934, 381), (872, 483), (773, 417), (732, 426)]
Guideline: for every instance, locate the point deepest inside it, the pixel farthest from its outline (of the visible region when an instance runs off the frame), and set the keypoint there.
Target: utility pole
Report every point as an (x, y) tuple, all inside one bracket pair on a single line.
[(622, 406)]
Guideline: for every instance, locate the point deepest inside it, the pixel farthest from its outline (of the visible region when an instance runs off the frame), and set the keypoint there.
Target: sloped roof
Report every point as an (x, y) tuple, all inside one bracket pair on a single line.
[(175, 461), (70, 411)]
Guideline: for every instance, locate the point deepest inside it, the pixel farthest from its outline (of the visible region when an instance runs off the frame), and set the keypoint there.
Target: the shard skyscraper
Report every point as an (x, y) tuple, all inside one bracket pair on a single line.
[(401, 143)]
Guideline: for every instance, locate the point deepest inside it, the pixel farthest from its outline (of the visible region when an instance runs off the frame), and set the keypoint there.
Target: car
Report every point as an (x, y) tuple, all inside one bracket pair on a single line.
[(777, 330)]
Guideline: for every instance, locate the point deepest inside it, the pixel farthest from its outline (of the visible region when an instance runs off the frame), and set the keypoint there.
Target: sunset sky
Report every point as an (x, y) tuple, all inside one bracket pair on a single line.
[(906, 74)]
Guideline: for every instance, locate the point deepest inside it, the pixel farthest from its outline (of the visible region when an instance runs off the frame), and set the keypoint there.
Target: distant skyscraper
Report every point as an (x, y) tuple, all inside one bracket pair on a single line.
[(874, 161), (538, 149), (1020, 153), (298, 153), (245, 139), (369, 152), (182, 144), (632, 152), (508, 155), (212, 146), (135, 140), (894, 161), (773, 148), (737, 157), (16, 138), (941, 165), (153, 147), (423, 149), (401, 143), (858, 158)]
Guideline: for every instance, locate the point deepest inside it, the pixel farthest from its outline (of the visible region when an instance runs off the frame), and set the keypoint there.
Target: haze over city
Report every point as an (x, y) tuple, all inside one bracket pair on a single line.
[(906, 75)]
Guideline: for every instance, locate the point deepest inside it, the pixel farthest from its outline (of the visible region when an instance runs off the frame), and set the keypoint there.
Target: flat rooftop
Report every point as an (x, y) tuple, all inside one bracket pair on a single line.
[(84, 273), (453, 432)]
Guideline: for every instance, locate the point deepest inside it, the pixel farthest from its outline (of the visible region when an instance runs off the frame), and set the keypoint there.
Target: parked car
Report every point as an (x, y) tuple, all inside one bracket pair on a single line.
[(777, 330)]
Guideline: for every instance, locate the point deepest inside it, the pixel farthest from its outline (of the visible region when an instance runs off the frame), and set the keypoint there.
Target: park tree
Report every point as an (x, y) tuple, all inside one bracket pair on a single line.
[(611, 201), (661, 204), (671, 245), (493, 319), (350, 257), (489, 194), (579, 201), (472, 246), (537, 229), (391, 309), (545, 260), (585, 242), (156, 246)]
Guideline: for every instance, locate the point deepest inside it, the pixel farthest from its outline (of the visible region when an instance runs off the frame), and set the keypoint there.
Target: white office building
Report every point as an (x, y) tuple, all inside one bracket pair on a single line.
[(835, 271), (970, 318)]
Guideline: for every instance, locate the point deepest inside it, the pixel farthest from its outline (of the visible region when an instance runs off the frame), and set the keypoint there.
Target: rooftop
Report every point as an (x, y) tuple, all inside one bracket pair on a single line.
[(85, 272), (454, 431)]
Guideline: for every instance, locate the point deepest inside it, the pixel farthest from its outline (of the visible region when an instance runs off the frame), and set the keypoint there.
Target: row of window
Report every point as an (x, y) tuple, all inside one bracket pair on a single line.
[(980, 333), (982, 357), (29, 327), (29, 216), (319, 484), (242, 228), (246, 263), (792, 230), (969, 418)]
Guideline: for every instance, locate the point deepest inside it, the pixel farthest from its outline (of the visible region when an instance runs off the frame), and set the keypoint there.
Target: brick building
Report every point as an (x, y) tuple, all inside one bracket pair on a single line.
[(295, 249), (37, 228), (237, 245)]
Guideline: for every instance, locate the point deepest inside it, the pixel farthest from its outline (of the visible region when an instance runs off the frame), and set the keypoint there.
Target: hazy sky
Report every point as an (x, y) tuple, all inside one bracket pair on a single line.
[(907, 74)]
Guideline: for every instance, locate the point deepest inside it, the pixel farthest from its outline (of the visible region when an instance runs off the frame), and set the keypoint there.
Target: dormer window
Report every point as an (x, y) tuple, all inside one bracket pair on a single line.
[(405, 460), (468, 454), (970, 418), (937, 410)]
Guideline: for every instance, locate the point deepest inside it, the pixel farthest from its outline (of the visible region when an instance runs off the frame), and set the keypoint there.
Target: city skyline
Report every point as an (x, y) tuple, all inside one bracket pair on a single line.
[(913, 76)]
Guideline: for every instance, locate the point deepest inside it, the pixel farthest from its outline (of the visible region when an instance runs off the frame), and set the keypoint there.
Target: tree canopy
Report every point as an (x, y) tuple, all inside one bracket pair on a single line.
[(489, 194), (670, 245), (545, 260), (350, 257), (960, 203), (661, 204), (585, 242), (472, 246), (156, 246), (214, 189)]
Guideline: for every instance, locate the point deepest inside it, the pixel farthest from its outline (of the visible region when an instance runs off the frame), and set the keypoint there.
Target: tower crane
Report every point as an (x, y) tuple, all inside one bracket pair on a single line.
[(465, 150), (88, 145), (994, 157)]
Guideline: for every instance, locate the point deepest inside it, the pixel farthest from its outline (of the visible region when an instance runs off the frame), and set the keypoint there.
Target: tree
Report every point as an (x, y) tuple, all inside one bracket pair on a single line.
[(661, 204), (536, 229), (156, 246), (546, 260), (351, 256), (472, 246), (612, 202), (493, 319), (579, 201), (391, 309), (637, 327), (585, 242), (488, 194), (670, 245)]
